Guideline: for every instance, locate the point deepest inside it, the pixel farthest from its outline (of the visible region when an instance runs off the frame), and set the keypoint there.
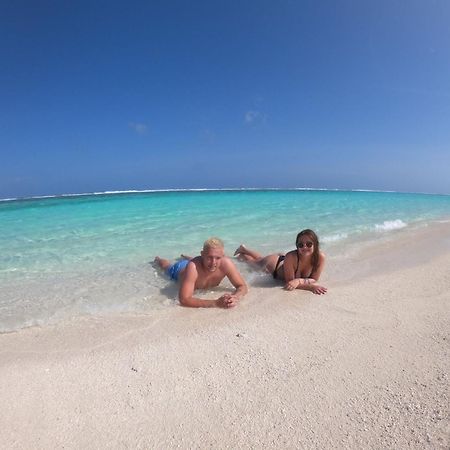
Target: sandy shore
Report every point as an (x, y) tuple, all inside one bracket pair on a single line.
[(365, 366)]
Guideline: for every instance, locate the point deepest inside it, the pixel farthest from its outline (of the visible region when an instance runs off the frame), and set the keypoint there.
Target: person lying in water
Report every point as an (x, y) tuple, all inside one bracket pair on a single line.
[(300, 268), (203, 272)]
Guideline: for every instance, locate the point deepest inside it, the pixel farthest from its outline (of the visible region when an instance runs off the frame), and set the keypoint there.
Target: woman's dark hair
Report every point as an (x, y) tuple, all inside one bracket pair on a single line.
[(315, 241)]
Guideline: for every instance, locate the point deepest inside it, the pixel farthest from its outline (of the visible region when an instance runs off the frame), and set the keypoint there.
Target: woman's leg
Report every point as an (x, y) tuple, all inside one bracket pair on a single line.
[(269, 262), (247, 259), (247, 254)]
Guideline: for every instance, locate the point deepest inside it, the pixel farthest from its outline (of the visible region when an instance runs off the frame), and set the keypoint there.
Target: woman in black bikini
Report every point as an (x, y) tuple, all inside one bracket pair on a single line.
[(300, 268)]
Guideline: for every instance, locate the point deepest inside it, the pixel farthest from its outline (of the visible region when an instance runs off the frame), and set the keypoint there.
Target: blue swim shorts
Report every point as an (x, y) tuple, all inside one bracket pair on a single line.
[(174, 270)]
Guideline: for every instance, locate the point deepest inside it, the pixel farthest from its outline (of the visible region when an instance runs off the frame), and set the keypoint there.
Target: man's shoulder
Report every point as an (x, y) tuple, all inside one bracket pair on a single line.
[(195, 260), (226, 261), (227, 264), (193, 265)]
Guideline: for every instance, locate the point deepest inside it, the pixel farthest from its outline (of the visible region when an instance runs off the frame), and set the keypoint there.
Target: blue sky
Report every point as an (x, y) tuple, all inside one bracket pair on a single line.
[(99, 96)]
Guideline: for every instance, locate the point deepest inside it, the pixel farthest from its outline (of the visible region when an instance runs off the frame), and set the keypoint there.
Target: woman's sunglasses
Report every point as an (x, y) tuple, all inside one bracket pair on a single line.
[(308, 244)]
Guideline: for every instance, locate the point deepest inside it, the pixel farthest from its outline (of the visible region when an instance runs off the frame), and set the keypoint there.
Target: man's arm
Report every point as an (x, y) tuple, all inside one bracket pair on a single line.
[(236, 280), (186, 292)]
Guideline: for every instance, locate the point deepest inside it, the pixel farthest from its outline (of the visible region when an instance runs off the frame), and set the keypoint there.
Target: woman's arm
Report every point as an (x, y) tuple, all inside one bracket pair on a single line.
[(307, 284), (289, 266), (315, 275)]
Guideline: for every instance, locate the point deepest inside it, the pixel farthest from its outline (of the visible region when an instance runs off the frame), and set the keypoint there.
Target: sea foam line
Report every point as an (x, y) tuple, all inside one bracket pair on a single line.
[(229, 189), (150, 191), (389, 225)]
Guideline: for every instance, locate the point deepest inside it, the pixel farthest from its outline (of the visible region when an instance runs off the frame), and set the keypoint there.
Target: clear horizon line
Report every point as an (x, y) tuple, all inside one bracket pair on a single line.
[(149, 191)]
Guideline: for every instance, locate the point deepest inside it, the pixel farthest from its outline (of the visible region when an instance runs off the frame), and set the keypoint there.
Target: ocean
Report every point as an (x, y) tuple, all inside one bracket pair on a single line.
[(64, 257)]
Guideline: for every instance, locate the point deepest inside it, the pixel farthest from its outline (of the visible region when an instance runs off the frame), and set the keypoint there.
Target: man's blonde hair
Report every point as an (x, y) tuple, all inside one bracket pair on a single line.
[(213, 242)]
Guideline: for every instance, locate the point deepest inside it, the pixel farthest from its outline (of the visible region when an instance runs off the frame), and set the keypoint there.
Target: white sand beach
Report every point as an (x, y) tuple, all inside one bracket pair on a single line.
[(364, 366)]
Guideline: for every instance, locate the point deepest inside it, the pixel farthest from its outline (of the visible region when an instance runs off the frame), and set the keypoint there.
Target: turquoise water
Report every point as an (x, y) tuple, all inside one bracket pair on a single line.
[(62, 257)]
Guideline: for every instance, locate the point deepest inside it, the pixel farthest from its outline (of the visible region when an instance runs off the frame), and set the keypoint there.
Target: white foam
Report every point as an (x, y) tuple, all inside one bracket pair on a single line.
[(148, 191), (334, 237), (389, 225)]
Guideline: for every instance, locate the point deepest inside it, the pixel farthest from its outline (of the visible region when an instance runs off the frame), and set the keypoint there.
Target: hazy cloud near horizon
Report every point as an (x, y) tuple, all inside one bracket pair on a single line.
[(139, 128), (253, 116)]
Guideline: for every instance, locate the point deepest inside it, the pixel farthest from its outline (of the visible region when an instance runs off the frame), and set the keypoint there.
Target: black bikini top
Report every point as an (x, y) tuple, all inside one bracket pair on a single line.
[(280, 260)]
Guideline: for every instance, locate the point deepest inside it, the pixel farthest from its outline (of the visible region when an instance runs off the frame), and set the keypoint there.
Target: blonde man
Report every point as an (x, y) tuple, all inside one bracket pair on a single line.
[(203, 272)]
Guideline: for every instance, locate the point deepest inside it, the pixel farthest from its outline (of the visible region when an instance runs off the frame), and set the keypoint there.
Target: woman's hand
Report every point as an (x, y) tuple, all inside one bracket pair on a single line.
[(293, 284), (299, 283), (316, 289)]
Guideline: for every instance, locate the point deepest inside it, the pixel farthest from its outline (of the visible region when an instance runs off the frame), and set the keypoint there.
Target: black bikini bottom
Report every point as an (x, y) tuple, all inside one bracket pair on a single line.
[(280, 259)]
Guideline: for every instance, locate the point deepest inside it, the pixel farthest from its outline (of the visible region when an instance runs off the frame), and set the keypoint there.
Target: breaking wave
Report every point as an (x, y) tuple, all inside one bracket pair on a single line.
[(389, 225)]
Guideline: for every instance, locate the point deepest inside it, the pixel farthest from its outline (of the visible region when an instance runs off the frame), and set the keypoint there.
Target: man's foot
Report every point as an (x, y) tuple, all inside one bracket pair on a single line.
[(159, 262), (239, 250)]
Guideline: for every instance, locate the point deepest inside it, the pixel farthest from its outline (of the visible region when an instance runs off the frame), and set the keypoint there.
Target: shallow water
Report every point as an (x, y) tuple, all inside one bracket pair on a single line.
[(62, 257)]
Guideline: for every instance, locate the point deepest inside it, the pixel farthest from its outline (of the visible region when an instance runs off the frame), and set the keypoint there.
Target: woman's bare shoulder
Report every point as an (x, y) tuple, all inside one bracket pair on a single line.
[(291, 255)]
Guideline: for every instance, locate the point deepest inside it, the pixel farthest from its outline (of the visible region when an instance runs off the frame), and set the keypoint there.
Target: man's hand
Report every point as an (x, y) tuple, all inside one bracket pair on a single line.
[(227, 301)]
